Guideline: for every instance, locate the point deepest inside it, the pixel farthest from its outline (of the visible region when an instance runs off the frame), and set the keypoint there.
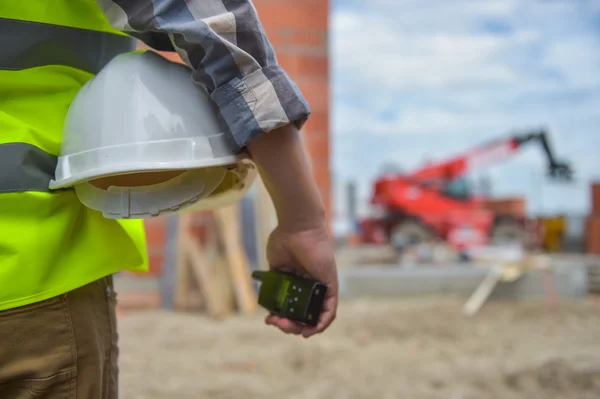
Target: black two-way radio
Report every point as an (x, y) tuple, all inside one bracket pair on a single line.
[(296, 298)]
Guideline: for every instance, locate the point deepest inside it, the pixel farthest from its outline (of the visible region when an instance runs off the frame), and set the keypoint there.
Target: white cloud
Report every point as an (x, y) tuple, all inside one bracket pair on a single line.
[(413, 78), (419, 16), (372, 49), (577, 58)]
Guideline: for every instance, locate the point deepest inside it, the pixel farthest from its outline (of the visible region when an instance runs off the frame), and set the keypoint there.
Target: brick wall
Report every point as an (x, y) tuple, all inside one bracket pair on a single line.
[(156, 237), (299, 32)]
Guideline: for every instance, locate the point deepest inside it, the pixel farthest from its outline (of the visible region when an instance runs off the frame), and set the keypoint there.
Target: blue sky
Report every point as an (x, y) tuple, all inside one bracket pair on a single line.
[(431, 78)]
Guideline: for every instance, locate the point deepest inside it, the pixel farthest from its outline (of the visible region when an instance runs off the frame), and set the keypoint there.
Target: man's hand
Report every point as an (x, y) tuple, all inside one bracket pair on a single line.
[(301, 242), (308, 252)]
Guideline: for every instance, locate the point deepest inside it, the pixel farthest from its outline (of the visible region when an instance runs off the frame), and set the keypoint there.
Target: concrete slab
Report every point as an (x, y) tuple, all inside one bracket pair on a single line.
[(567, 282), (456, 280)]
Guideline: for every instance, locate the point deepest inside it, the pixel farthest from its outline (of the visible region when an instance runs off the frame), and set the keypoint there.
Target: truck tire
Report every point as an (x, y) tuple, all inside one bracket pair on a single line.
[(408, 233)]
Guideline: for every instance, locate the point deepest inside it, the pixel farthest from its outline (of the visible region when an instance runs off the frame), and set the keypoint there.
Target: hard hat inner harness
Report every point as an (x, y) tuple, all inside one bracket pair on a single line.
[(154, 200)]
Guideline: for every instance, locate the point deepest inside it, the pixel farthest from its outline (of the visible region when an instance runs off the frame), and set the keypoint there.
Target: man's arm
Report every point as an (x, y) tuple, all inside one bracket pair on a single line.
[(286, 173), (224, 44)]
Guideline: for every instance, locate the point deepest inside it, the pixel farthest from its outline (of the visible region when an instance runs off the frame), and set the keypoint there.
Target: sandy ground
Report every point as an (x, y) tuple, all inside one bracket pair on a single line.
[(416, 348)]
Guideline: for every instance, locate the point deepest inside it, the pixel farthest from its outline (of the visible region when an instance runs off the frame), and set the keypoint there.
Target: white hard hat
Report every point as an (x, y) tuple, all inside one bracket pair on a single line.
[(141, 140)]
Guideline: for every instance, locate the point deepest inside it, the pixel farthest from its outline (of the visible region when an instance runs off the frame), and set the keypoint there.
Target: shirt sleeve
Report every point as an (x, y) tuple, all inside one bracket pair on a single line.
[(224, 44)]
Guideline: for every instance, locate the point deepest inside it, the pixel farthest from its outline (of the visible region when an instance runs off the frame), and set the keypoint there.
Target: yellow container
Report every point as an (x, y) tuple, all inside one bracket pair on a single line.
[(553, 233)]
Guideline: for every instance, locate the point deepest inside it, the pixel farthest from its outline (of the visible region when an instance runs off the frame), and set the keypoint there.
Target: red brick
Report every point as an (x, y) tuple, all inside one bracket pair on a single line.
[(155, 250), (296, 15), (593, 235), (317, 126), (156, 221), (322, 163), (312, 38), (304, 66), (170, 55), (312, 66), (316, 92), (156, 265), (595, 188), (318, 150), (278, 38), (298, 40), (289, 63), (314, 3), (156, 234)]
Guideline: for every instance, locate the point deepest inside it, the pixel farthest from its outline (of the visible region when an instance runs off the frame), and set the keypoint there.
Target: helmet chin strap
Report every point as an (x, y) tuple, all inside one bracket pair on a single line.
[(153, 200)]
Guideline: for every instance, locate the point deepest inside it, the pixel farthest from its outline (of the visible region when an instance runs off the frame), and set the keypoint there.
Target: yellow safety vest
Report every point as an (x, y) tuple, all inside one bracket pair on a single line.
[(49, 242)]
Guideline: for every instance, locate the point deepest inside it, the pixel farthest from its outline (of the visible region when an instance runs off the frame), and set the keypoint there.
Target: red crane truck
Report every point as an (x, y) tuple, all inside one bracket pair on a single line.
[(436, 201)]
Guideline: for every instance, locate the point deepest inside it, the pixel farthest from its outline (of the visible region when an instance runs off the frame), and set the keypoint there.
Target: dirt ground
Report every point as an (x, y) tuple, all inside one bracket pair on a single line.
[(411, 348)]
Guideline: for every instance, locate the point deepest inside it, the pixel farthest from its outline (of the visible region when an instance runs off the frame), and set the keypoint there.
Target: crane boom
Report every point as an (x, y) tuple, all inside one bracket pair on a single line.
[(490, 153)]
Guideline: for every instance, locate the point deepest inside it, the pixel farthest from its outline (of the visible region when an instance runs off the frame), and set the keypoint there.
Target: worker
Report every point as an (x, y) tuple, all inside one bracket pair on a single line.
[(58, 329)]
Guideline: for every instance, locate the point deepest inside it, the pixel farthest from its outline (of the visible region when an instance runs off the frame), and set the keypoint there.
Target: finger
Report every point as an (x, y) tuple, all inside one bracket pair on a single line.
[(285, 325), (326, 320), (327, 317), (271, 320)]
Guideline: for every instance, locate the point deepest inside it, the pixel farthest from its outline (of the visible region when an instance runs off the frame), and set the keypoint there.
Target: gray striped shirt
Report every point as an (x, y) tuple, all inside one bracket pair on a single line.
[(224, 44)]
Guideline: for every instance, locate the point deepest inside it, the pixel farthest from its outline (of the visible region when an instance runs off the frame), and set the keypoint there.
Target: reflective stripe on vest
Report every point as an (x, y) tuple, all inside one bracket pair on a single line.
[(25, 168), (27, 44)]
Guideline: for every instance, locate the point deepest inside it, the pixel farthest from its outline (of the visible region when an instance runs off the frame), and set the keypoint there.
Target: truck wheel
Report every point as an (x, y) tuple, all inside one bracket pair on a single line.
[(409, 233), (508, 232)]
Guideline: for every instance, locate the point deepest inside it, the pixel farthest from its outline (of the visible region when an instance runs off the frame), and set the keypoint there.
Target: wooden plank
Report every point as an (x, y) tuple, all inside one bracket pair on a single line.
[(210, 283), (181, 289), (483, 291), (229, 228), (217, 265), (223, 288)]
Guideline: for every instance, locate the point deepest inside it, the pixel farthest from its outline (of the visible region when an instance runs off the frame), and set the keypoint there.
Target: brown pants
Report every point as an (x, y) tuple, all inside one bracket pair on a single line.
[(64, 347)]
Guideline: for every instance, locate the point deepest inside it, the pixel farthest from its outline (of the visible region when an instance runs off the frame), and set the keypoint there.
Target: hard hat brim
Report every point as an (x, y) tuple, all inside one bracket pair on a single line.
[(134, 158)]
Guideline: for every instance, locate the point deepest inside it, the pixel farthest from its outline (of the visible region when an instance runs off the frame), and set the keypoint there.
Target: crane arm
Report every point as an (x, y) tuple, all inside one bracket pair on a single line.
[(490, 153), (556, 170)]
